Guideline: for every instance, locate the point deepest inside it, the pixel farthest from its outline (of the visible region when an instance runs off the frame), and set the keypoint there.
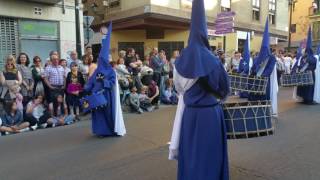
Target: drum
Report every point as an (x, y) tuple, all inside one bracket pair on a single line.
[(298, 79), (250, 84), (93, 102), (245, 119)]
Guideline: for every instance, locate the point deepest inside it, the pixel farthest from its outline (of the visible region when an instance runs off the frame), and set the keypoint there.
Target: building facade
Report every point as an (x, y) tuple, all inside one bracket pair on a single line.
[(37, 27), (144, 24)]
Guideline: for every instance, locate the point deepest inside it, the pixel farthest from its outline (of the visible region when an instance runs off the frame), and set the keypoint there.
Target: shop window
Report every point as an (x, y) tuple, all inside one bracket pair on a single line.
[(8, 38)]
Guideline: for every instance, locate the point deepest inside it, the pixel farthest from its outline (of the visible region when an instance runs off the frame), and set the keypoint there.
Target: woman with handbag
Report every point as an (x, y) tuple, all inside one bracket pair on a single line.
[(37, 74), (10, 79), (27, 79)]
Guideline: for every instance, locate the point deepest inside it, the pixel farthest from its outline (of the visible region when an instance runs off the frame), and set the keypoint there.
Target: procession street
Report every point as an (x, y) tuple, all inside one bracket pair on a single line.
[(72, 153)]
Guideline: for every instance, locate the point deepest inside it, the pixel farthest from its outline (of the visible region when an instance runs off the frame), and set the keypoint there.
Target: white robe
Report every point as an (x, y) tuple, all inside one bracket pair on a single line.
[(274, 89), (119, 126), (316, 96), (182, 85)]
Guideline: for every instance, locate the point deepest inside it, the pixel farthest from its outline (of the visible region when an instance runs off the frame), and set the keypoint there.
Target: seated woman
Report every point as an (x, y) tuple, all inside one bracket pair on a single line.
[(145, 101), (59, 113), (12, 121), (153, 94), (36, 113), (169, 96)]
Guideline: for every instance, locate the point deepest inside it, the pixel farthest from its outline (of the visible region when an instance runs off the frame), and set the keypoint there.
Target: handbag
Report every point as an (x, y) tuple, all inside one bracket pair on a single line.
[(94, 101)]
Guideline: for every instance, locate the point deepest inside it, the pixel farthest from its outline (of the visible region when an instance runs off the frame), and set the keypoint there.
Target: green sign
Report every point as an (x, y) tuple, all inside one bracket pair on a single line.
[(38, 28)]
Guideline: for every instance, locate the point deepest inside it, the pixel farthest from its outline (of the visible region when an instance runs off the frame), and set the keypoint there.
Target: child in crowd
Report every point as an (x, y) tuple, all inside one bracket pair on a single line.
[(145, 101), (64, 64), (19, 101), (134, 100), (74, 84), (12, 120), (59, 113), (36, 113), (87, 60), (169, 96)]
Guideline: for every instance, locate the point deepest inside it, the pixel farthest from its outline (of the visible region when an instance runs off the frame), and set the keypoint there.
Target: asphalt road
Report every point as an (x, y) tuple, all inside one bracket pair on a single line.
[(72, 153)]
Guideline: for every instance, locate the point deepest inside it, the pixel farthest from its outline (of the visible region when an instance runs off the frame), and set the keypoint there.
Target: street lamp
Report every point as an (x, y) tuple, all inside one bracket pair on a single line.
[(291, 5)]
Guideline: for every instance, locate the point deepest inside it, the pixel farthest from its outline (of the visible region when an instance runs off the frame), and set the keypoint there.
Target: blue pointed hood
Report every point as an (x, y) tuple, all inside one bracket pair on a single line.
[(309, 50), (244, 63), (265, 45), (104, 66), (196, 59), (246, 50), (103, 59), (299, 51)]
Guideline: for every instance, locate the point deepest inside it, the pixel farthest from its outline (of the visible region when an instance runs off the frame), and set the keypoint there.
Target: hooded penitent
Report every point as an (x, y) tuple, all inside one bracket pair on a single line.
[(245, 61), (308, 62), (106, 121), (197, 54), (265, 66), (199, 75)]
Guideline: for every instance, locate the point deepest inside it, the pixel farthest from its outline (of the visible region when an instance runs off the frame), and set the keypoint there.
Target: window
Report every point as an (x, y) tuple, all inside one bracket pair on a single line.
[(272, 5), (256, 14), (8, 38), (256, 10), (272, 11), (316, 30), (256, 4), (272, 18), (293, 28), (225, 5), (38, 37)]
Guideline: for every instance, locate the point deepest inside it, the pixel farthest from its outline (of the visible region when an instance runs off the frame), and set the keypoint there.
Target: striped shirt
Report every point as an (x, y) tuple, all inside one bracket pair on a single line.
[(55, 75)]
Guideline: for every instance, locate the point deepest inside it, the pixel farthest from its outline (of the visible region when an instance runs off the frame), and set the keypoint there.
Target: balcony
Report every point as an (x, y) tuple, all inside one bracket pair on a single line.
[(51, 2)]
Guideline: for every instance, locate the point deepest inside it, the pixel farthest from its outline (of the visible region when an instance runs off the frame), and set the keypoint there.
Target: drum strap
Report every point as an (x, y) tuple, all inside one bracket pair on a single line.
[(203, 81)]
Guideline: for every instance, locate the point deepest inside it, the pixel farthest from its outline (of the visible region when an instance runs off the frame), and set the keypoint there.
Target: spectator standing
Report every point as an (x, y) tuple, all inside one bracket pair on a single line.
[(10, 79), (88, 52), (66, 68), (59, 112), (74, 84), (54, 78), (175, 55), (157, 66), (288, 63), (92, 66), (222, 57), (134, 66), (74, 58), (37, 74), (280, 65), (12, 121), (124, 79), (235, 61), (165, 71), (27, 79), (36, 112), (86, 64)]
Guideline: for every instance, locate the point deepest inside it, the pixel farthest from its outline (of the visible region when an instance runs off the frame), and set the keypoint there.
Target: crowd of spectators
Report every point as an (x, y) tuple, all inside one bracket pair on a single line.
[(145, 84), (46, 93), (42, 93)]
